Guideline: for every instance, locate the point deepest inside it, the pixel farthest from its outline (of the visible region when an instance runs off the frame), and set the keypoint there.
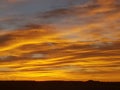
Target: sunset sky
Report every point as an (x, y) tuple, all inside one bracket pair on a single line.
[(60, 40)]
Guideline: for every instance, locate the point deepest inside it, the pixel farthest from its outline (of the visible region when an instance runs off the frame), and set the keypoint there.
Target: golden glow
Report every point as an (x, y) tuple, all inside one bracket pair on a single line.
[(88, 50)]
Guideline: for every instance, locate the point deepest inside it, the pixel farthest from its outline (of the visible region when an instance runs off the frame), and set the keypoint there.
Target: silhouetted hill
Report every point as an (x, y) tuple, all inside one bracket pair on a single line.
[(59, 85)]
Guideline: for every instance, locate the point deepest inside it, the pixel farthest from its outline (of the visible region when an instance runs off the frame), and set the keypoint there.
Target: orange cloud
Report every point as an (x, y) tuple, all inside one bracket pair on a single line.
[(81, 44), (106, 2)]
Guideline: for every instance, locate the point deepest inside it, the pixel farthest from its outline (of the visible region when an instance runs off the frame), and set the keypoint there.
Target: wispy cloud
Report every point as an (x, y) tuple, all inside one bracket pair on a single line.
[(68, 43)]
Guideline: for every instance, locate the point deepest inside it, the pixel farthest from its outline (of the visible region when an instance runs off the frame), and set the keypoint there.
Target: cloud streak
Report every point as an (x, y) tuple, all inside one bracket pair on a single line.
[(63, 44)]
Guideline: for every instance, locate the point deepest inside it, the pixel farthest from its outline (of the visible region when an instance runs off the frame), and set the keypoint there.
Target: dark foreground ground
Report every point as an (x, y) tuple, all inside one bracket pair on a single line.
[(59, 85)]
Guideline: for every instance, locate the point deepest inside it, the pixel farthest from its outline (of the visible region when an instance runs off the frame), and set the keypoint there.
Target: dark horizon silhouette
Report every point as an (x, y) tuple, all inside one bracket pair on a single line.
[(59, 85)]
